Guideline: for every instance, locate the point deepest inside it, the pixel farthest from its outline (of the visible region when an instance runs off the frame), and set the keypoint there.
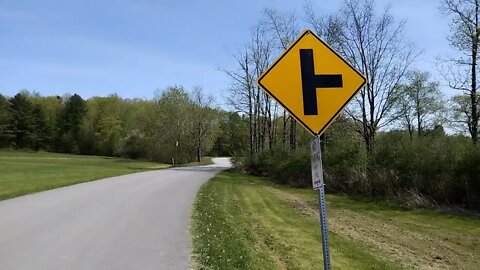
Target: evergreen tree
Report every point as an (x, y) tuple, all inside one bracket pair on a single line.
[(69, 123), (22, 124), (4, 122), (41, 135)]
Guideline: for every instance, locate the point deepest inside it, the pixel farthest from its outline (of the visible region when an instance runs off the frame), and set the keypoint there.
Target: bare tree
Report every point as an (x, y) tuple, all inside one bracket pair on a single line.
[(461, 114), (328, 27), (375, 45), (284, 29), (261, 50), (461, 72), (246, 96), (240, 94)]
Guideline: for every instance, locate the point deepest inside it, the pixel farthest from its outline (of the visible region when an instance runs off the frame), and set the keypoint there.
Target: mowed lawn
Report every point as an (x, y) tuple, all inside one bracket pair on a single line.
[(23, 173), (245, 222)]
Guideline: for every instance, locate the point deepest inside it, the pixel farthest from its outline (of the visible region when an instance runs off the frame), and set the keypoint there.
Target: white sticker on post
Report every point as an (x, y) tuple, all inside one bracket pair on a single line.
[(317, 169)]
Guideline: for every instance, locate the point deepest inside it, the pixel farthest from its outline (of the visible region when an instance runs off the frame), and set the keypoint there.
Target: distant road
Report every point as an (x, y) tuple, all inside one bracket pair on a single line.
[(137, 221)]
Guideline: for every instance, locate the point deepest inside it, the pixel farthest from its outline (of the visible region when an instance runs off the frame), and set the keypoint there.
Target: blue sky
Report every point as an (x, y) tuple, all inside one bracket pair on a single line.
[(132, 47)]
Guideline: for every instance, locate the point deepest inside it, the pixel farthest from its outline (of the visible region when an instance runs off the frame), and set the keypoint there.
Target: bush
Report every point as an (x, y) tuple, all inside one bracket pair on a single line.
[(133, 146), (467, 170), (344, 163), (283, 166), (432, 166)]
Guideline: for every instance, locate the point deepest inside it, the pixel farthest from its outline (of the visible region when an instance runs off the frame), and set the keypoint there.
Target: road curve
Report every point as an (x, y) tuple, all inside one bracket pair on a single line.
[(136, 221)]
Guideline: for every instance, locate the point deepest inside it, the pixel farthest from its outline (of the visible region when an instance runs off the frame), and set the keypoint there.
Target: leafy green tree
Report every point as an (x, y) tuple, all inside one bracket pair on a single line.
[(419, 103), (108, 123), (51, 106), (204, 125), (88, 144), (233, 137), (108, 135), (169, 133)]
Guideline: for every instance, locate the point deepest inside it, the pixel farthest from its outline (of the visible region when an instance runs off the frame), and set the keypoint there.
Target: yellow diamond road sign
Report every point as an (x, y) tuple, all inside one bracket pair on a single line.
[(312, 82)]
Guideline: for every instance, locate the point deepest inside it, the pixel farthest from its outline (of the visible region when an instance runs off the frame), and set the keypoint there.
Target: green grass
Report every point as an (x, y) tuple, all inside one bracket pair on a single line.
[(245, 222), (23, 172)]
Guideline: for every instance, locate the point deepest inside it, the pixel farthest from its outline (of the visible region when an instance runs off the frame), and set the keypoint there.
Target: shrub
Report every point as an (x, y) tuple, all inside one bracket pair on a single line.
[(280, 164), (427, 170), (133, 146)]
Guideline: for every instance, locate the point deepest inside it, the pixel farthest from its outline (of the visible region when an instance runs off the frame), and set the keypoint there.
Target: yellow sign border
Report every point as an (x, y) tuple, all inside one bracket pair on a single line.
[(309, 32)]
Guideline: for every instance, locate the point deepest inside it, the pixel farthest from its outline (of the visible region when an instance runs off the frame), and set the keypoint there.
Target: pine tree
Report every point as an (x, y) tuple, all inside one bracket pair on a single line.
[(4, 122), (69, 123), (42, 134), (22, 124)]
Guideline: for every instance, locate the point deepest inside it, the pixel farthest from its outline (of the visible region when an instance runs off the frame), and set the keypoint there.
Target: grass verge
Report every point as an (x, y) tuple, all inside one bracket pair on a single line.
[(23, 172), (245, 222)]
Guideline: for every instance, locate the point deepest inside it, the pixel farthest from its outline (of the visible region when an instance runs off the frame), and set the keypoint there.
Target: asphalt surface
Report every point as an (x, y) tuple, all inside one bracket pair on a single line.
[(137, 221)]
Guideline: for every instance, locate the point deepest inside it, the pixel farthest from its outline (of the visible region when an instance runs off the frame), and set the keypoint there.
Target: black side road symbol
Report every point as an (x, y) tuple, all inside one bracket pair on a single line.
[(312, 81)]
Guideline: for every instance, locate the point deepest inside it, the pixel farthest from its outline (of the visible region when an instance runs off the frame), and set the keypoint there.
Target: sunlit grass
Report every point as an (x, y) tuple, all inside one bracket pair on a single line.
[(245, 222), (25, 172)]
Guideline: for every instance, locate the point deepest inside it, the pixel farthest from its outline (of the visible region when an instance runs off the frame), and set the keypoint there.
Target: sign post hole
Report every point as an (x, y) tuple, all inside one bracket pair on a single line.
[(318, 184)]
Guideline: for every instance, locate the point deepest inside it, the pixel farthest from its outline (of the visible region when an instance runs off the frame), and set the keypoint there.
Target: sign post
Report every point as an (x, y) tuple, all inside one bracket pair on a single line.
[(313, 83), (317, 181)]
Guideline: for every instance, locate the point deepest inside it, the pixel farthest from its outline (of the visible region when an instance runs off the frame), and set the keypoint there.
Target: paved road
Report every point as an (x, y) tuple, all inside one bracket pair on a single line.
[(138, 221)]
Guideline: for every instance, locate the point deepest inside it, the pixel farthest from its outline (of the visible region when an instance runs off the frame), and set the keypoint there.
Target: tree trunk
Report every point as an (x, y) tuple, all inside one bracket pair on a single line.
[(419, 126), (268, 112), (250, 129), (284, 138), (293, 139), (199, 144), (410, 132), (418, 112), (473, 93), (473, 101), (467, 191), (199, 154), (370, 142)]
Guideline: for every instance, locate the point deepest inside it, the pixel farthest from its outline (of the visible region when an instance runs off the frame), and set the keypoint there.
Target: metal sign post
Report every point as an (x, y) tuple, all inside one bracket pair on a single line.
[(313, 83), (318, 184)]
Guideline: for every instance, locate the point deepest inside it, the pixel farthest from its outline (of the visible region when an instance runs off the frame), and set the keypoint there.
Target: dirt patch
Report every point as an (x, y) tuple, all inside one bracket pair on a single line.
[(392, 239)]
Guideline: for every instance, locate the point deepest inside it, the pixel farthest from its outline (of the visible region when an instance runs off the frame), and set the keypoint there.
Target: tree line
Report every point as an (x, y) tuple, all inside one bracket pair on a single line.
[(400, 137), (177, 126)]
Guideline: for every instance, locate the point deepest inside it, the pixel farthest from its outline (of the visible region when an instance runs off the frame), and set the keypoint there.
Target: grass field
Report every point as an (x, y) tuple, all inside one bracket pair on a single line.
[(23, 173), (244, 222)]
